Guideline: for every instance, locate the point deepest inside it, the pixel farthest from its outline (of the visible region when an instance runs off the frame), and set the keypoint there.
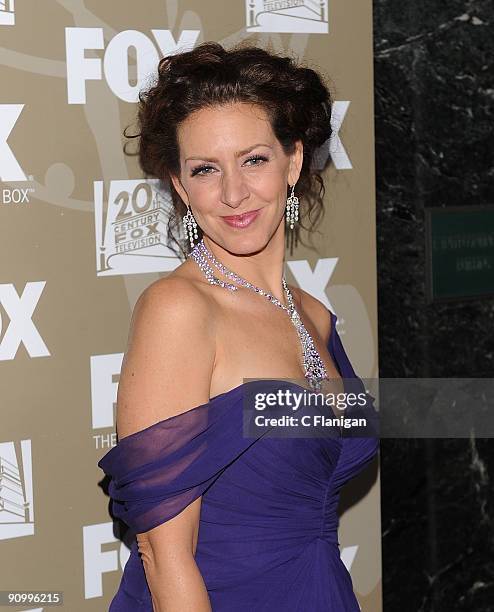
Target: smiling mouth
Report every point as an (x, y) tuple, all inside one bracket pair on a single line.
[(242, 216), (242, 220)]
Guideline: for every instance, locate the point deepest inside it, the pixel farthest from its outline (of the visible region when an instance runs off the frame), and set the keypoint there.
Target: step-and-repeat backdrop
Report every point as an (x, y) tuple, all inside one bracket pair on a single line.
[(70, 72)]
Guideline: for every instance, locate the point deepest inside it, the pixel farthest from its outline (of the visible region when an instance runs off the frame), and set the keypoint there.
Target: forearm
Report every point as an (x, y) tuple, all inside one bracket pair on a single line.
[(176, 585)]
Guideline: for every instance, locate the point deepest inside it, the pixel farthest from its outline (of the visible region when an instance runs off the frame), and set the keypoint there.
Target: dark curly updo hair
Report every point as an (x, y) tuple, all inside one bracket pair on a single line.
[(294, 97)]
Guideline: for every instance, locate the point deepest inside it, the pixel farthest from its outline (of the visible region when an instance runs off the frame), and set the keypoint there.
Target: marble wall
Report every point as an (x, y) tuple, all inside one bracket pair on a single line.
[(434, 104)]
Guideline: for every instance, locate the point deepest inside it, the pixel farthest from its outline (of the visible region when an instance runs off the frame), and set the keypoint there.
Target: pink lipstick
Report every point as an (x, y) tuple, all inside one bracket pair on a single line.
[(243, 220)]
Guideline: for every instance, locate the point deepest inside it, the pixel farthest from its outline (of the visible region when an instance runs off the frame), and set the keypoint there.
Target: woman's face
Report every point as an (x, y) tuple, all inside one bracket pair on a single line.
[(232, 163)]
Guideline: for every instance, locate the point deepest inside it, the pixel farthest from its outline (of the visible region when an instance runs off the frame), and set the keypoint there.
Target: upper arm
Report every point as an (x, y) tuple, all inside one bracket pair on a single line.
[(168, 363), (166, 370)]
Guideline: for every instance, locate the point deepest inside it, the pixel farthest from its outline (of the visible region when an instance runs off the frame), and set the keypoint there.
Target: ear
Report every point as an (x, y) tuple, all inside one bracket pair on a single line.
[(295, 165), (177, 183)]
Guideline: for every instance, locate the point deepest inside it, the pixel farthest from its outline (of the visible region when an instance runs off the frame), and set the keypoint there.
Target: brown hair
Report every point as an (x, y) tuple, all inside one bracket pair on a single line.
[(295, 98)]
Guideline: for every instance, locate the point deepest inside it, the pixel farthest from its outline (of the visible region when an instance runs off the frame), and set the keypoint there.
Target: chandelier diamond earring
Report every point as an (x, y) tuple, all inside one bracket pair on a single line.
[(292, 207), (190, 226)]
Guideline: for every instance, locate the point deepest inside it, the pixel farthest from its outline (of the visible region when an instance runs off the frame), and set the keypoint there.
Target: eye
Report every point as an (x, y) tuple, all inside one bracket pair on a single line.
[(261, 158), (201, 170)]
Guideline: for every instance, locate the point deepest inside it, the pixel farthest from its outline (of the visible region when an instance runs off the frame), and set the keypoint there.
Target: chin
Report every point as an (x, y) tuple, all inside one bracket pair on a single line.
[(242, 245)]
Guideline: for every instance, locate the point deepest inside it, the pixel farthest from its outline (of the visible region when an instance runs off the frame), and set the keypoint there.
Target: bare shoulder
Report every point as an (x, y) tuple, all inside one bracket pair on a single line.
[(173, 298), (171, 342), (170, 306), (315, 310)]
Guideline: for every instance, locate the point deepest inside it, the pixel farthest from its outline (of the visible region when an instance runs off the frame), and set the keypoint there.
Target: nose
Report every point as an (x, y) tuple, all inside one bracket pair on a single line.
[(233, 188)]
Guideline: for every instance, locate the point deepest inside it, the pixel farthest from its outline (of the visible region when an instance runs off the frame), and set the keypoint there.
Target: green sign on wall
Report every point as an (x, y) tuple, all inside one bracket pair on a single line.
[(460, 252)]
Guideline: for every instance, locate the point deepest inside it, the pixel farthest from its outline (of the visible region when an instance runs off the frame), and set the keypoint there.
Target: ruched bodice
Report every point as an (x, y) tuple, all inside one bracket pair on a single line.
[(268, 523)]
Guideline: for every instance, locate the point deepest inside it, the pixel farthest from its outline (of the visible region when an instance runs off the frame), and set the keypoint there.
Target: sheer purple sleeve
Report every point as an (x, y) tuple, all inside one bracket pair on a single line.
[(158, 471)]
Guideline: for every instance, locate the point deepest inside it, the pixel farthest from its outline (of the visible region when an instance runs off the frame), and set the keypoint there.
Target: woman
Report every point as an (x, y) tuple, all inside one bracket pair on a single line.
[(225, 522)]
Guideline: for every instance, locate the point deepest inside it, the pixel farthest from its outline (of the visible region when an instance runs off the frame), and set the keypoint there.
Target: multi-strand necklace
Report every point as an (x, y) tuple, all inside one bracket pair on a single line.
[(315, 371)]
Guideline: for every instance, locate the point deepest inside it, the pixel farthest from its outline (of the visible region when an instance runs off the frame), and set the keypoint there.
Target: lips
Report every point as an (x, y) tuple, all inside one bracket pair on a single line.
[(243, 220)]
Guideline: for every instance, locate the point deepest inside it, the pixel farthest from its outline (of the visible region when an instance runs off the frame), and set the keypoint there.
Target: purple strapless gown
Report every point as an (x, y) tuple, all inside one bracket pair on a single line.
[(268, 525)]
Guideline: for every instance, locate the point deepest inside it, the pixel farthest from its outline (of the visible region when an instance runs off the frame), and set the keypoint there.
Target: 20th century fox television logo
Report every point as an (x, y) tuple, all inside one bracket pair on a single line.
[(16, 490), (305, 16), (131, 219), (7, 12)]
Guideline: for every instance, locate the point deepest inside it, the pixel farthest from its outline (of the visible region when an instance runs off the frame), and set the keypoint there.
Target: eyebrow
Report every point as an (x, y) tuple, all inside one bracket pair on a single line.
[(237, 154)]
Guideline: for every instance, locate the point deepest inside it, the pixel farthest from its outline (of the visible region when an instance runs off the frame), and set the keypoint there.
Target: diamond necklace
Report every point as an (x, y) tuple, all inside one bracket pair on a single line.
[(315, 371)]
